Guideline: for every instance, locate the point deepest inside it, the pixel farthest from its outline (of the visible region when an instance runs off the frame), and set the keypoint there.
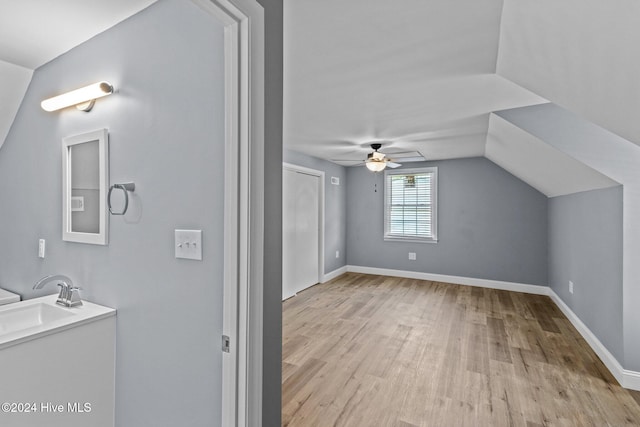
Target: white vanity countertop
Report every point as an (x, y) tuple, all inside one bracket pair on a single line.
[(34, 318), (7, 297)]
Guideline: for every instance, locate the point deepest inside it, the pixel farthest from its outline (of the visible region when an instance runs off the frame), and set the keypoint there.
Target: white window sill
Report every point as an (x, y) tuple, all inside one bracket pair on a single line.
[(408, 239)]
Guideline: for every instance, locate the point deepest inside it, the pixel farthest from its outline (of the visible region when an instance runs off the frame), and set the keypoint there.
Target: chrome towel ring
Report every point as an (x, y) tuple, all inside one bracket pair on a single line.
[(125, 187)]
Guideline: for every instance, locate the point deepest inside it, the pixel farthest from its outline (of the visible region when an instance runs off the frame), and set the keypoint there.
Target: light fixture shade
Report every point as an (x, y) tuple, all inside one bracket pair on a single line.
[(376, 165), (84, 95)]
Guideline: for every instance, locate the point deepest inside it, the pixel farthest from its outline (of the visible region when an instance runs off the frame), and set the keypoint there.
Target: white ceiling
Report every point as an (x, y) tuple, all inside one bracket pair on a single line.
[(420, 77), (580, 54), (33, 32), (425, 75)]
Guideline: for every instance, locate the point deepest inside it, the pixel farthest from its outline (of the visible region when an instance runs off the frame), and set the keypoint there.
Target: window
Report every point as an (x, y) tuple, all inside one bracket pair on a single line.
[(410, 205)]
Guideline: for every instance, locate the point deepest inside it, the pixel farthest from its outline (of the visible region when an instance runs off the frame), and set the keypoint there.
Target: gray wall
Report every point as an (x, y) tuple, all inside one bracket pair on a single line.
[(491, 225), (166, 129), (272, 308), (616, 158), (335, 207), (585, 246)]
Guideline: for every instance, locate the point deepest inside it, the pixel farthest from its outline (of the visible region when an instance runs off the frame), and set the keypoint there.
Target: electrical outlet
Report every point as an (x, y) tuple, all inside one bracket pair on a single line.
[(337, 254), (412, 256), (570, 287)]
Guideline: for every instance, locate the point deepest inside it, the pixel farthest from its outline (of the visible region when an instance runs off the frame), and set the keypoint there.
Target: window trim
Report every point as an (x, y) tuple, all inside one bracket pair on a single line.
[(434, 212)]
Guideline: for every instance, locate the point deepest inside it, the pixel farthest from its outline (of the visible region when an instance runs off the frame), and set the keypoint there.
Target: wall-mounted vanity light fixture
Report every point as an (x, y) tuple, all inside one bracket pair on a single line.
[(82, 98)]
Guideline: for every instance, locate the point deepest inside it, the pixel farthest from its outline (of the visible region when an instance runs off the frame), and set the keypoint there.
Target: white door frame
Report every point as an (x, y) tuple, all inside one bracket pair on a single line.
[(320, 175), (243, 208)]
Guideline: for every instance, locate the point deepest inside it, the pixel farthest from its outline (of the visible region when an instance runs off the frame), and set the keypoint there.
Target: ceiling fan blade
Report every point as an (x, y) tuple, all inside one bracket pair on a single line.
[(347, 162), (376, 155), (393, 165), (408, 156), (412, 159)]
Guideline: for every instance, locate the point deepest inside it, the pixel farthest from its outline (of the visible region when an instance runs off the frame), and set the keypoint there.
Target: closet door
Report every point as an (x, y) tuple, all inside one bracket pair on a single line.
[(307, 227), (301, 228), (289, 237)]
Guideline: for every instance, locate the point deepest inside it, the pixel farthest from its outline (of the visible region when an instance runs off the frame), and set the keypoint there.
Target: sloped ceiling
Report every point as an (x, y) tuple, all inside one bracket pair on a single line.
[(580, 54), (33, 32), (425, 76), (14, 81), (416, 75), (543, 166)]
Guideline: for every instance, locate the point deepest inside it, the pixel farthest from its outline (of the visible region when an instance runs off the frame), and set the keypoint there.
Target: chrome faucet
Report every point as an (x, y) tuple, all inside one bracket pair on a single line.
[(69, 295)]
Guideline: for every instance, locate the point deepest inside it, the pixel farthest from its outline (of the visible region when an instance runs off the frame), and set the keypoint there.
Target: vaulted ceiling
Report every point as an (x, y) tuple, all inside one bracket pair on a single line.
[(425, 75), (415, 75), (33, 32)]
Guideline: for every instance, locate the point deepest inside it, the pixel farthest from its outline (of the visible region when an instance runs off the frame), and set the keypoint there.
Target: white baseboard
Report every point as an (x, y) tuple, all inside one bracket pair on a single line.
[(483, 283), (630, 379), (335, 273), (627, 379)]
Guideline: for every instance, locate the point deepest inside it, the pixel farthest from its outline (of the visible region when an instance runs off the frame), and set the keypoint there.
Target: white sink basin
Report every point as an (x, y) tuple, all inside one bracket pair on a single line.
[(34, 315), (30, 319)]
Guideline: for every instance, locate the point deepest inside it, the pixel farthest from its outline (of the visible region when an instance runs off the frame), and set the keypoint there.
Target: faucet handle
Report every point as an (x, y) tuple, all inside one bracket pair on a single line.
[(63, 296), (64, 288), (73, 299), (69, 295)]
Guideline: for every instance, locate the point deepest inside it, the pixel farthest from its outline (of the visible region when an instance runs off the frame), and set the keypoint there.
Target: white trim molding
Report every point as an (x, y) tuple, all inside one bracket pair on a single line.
[(244, 208), (630, 379), (335, 273), (483, 283), (627, 379)]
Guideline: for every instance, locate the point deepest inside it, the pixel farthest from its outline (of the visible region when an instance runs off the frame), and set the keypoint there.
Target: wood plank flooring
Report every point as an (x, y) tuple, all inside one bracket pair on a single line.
[(367, 350)]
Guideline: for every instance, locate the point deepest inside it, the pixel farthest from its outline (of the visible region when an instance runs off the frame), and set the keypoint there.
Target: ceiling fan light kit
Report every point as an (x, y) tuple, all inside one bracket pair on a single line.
[(377, 161), (375, 165)]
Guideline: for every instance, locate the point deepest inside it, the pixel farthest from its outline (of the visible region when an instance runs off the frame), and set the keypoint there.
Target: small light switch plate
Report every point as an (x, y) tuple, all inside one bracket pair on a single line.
[(77, 204), (188, 244), (41, 245)]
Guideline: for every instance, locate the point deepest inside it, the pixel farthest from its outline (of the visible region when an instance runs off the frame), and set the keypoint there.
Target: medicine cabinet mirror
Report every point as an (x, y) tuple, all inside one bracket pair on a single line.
[(85, 181)]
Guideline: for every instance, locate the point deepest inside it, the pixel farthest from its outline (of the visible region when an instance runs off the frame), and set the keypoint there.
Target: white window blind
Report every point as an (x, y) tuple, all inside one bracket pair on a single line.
[(410, 205)]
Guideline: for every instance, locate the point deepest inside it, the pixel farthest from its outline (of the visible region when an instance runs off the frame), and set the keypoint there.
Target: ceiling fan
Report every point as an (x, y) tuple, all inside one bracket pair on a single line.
[(377, 161)]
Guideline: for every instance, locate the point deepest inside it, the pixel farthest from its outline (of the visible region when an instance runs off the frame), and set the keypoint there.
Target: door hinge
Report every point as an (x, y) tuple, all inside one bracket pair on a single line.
[(226, 342)]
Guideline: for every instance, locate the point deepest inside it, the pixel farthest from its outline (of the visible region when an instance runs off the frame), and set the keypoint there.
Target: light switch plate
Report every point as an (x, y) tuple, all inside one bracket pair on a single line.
[(188, 244), (41, 246), (77, 204)]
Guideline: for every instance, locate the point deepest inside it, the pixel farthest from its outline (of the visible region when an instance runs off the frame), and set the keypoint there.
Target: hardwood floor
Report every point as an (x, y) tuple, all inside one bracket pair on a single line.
[(367, 350)]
